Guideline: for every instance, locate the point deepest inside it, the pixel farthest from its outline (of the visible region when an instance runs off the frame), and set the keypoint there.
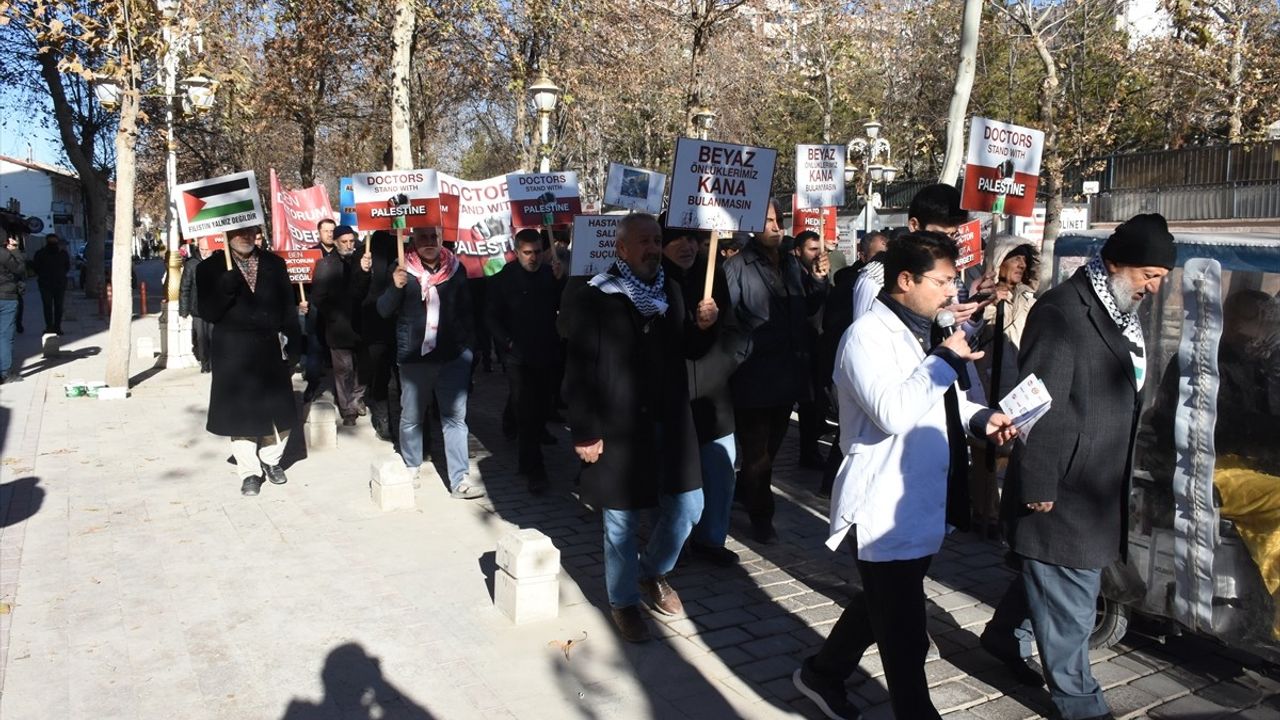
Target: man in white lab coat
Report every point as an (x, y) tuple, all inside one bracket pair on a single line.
[(900, 416)]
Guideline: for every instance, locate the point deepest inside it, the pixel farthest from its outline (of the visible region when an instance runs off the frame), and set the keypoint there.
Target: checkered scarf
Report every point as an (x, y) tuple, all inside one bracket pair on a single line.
[(649, 299)]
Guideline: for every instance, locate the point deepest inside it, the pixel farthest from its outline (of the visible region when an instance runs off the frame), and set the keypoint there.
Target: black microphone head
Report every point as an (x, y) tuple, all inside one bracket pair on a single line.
[(945, 319)]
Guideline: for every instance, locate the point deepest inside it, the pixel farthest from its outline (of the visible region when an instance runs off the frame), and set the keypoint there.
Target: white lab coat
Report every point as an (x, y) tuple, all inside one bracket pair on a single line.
[(892, 483)]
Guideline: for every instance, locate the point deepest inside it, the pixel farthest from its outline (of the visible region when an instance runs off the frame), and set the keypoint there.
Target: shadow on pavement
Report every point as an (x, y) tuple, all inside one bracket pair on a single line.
[(355, 689), (19, 500)]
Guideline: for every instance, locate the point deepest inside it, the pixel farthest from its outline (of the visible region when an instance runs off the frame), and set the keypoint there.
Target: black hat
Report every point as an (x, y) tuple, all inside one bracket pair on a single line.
[(343, 230), (1142, 241)]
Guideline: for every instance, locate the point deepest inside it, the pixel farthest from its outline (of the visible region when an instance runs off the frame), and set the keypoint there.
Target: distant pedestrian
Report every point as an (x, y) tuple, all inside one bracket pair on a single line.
[(812, 412), (255, 341), (1066, 497), (52, 264), (313, 364), (522, 302), (435, 332), (628, 392), (13, 271), (189, 307), (338, 290), (901, 420)]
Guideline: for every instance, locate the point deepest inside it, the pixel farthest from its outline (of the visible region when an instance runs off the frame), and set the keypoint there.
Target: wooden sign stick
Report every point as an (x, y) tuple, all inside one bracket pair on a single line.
[(302, 291), (226, 250), (712, 250), (399, 247)]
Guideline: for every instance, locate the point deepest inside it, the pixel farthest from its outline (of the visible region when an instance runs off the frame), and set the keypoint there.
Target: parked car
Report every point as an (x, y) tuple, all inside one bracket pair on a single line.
[(1204, 533), (109, 251)]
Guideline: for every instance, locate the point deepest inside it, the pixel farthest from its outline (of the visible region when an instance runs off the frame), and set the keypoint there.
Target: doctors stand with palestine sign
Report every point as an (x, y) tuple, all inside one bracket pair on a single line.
[(1002, 168), (720, 187)]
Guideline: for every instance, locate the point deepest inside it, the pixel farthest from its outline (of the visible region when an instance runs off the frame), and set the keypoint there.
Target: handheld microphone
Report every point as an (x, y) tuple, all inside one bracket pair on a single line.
[(947, 322)]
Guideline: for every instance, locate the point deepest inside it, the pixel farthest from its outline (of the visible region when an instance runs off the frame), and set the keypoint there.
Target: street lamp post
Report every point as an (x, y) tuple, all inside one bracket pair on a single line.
[(545, 94), (703, 118), (865, 151)]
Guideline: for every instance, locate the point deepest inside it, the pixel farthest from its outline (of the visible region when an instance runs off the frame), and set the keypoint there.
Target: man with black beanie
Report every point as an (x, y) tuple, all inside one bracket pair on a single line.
[(1066, 497)]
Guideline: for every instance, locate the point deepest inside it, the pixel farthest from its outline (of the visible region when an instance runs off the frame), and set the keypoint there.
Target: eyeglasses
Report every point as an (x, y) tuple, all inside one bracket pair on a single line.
[(940, 282)]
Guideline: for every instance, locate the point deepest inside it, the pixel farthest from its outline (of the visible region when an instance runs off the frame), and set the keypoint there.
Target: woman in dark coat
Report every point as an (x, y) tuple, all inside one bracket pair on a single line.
[(251, 395)]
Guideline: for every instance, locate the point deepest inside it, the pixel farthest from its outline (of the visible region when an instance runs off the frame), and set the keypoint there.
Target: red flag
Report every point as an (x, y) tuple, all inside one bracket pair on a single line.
[(295, 214)]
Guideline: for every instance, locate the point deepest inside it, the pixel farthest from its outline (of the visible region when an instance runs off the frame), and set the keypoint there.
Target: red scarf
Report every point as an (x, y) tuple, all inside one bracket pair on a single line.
[(428, 281)]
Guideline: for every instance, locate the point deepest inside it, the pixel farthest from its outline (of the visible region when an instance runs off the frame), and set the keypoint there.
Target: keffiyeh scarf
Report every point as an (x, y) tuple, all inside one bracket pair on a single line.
[(1128, 323), (649, 299), (248, 267), (428, 281)]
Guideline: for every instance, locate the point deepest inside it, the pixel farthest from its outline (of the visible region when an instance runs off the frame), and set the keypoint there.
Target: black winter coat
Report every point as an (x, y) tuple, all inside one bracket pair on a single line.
[(1080, 454), (774, 312), (52, 265), (13, 272), (338, 291), (625, 377), (375, 329), (520, 309), (188, 302), (456, 332), (709, 375), (251, 394)]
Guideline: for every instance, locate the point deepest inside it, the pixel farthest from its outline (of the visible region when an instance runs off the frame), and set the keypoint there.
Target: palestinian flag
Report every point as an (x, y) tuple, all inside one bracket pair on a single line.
[(219, 199)]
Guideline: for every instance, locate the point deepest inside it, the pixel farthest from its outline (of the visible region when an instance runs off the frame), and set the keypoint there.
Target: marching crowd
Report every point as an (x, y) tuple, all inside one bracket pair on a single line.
[(678, 398)]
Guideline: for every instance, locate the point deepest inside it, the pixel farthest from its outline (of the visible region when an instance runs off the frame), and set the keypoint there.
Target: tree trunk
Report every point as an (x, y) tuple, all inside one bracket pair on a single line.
[(401, 54), (80, 152), (693, 97), (119, 333), (307, 163), (965, 72), (1235, 82), (1051, 163)]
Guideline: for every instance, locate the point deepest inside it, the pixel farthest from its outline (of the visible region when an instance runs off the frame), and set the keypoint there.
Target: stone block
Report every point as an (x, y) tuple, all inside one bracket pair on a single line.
[(113, 393), (391, 485), (526, 601), (50, 345), (528, 554), (146, 348), (321, 427)]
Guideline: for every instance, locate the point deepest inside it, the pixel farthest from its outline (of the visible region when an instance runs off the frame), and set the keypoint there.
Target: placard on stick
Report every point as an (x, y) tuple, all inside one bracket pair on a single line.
[(541, 199), (819, 176), (219, 204), (720, 186), (396, 200), (301, 264), (1002, 168), (634, 188), (593, 243), (969, 242), (821, 220)]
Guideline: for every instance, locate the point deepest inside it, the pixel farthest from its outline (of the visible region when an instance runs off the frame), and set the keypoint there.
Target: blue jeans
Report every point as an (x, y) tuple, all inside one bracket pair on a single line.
[(671, 522), (717, 490), (8, 323), (449, 381)]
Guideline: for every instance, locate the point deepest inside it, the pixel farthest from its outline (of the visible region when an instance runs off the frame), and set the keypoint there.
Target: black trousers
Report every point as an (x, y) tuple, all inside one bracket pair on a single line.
[(51, 297), (890, 612), (201, 336), (760, 432), (813, 422), (375, 372), (531, 392)]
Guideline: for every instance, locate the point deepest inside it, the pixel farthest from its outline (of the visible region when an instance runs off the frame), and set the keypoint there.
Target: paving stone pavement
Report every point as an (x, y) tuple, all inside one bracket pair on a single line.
[(137, 583)]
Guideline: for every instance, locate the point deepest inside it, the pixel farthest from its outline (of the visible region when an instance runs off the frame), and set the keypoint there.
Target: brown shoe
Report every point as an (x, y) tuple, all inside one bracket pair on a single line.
[(631, 624), (664, 598)]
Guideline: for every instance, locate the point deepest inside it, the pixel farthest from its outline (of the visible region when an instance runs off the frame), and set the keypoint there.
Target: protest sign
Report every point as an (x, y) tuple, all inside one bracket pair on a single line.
[(969, 242), (1002, 168), (347, 204), (593, 243), (396, 199), (820, 220), (218, 205), (718, 186), (210, 244), (634, 189), (295, 213), (301, 264), (476, 216), (539, 199), (819, 176)]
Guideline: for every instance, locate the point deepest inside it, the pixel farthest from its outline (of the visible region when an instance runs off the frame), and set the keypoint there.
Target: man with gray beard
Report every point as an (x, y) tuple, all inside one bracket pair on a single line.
[(1066, 498)]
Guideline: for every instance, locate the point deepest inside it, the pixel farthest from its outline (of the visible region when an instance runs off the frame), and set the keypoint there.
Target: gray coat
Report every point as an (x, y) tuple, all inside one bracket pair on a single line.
[(1080, 454)]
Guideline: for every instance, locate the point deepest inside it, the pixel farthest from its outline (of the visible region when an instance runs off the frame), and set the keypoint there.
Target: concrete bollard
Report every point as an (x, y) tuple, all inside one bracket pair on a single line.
[(321, 428), (526, 586), (391, 487), (146, 348), (50, 345), (113, 393)]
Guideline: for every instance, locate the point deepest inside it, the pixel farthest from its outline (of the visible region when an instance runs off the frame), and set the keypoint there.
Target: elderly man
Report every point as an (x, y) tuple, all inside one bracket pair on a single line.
[(251, 396), (339, 287), (435, 331), (1066, 496), (628, 394), (901, 418)]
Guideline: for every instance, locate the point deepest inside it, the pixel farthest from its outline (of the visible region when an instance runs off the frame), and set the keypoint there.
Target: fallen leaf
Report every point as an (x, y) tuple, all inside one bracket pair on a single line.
[(5, 608), (566, 645)]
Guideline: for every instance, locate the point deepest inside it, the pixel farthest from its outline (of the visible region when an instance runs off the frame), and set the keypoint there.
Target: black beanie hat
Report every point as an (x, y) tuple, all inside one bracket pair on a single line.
[(1142, 241)]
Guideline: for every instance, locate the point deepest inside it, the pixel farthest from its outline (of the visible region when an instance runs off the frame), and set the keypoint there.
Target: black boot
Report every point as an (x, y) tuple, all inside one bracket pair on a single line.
[(380, 419)]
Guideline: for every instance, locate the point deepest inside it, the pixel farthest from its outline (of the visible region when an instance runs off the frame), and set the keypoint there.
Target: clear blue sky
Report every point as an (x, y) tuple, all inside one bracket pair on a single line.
[(28, 122)]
